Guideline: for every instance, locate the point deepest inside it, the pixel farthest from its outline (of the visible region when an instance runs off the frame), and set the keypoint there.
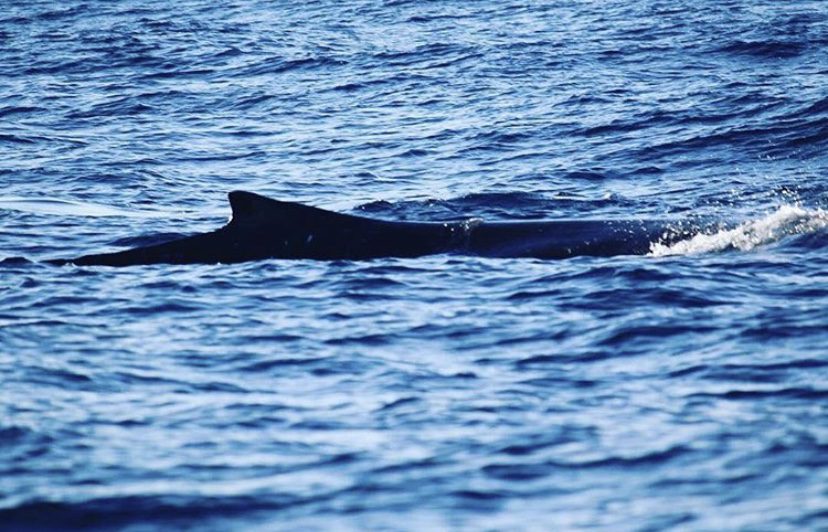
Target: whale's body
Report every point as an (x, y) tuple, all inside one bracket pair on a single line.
[(263, 228)]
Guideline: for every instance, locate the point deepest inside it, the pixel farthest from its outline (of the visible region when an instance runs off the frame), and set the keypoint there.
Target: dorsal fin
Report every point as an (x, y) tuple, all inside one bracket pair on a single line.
[(245, 205), (250, 207)]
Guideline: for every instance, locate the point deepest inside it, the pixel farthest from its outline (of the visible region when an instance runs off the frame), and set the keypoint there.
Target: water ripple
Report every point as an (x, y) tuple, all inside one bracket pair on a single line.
[(437, 393)]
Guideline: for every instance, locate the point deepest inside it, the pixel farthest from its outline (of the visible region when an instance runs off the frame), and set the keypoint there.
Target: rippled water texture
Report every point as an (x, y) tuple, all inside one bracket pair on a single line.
[(685, 389)]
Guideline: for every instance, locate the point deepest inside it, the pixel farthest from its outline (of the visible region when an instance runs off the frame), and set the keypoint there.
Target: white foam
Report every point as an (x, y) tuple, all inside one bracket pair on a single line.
[(785, 221)]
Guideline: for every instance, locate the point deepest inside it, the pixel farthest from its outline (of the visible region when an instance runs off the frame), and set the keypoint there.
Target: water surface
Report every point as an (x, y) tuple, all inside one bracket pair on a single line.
[(686, 389)]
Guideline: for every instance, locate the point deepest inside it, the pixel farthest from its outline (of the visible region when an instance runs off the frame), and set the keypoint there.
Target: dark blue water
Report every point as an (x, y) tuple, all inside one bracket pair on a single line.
[(687, 389)]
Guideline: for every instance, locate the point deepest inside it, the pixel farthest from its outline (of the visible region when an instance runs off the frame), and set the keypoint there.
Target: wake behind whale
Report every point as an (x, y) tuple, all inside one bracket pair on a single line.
[(264, 228)]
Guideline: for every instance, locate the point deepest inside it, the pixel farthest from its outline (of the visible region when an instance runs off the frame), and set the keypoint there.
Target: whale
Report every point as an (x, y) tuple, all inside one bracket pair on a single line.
[(263, 228)]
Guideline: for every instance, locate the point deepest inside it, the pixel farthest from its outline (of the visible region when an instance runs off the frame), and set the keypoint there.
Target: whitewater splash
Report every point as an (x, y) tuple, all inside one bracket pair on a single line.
[(787, 220)]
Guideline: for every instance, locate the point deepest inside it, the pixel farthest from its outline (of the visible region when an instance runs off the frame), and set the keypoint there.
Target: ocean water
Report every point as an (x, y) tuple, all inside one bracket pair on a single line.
[(686, 389)]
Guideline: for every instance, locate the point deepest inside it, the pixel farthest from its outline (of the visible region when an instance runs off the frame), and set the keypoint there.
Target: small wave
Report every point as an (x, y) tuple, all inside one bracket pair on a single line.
[(19, 110), (72, 208), (765, 49), (271, 66), (493, 205), (490, 206), (787, 220), (119, 108)]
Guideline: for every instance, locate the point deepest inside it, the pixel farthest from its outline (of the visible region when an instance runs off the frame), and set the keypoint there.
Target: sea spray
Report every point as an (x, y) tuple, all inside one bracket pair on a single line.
[(785, 221)]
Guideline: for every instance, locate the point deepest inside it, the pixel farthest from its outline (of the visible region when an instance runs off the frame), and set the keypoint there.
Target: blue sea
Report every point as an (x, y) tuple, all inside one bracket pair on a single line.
[(685, 389)]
